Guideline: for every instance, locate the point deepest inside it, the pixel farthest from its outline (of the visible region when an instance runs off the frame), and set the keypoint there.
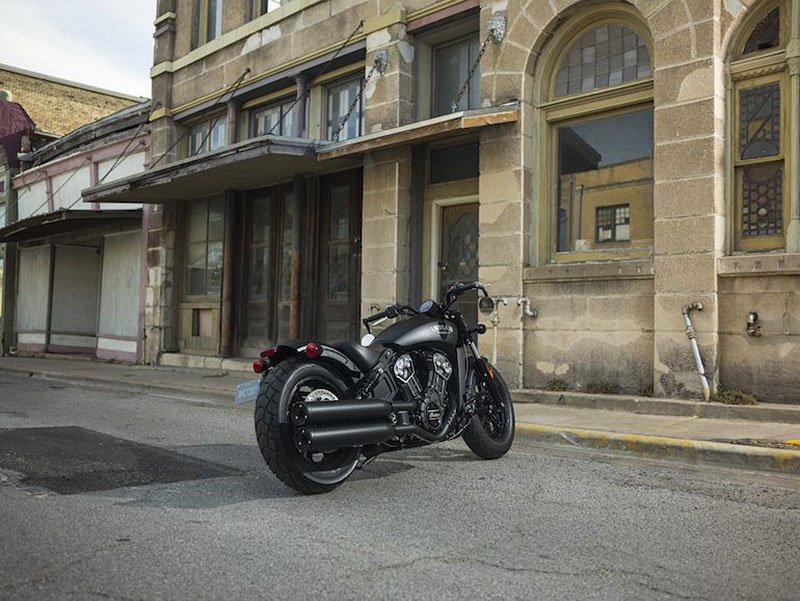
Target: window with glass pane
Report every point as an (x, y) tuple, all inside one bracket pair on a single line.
[(261, 7), (276, 119), (286, 248), (203, 248), (760, 167), (207, 21), (208, 135), (759, 132), (198, 138), (214, 27), (765, 35), (451, 65), (605, 56), (340, 98), (260, 242), (605, 182), (339, 267)]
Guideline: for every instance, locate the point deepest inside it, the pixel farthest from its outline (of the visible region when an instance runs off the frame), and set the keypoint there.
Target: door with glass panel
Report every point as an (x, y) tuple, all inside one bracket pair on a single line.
[(458, 254), (339, 257), (268, 286)]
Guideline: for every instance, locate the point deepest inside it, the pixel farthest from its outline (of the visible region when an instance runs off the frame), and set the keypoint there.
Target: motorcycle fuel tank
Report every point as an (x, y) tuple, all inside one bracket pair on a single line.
[(420, 331)]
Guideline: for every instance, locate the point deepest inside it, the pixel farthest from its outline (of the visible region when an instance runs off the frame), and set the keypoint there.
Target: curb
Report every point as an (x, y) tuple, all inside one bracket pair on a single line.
[(661, 447), (210, 396), (771, 412)]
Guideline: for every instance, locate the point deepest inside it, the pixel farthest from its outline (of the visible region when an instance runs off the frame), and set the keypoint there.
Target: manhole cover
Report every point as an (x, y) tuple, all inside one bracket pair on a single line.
[(71, 460)]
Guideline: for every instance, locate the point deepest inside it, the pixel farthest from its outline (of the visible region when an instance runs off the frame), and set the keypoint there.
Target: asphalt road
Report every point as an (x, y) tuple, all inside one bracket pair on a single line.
[(435, 523)]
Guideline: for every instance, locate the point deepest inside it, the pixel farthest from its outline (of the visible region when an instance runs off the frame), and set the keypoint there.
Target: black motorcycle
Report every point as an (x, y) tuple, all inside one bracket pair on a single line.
[(324, 410)]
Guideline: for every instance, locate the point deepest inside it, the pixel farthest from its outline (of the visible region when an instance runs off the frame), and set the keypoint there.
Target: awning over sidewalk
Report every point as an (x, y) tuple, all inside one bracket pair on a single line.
[(423, 131), (63, 220), (255, 163)]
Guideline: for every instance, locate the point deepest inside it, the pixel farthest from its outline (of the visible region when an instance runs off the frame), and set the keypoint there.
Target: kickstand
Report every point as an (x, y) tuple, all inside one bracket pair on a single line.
[(364, 461)]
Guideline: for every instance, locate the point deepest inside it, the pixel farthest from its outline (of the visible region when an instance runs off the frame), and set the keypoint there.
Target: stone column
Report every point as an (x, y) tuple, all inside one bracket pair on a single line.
[(793, 188), (689, 202), (388, 96), (160, 293), (385, 222), (503, 245)]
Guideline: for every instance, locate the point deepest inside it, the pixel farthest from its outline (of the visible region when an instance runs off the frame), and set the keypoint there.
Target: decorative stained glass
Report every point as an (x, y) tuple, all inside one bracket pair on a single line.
[(766, 34), (606, 56), (463, 249), (760, 121), (762, 200)]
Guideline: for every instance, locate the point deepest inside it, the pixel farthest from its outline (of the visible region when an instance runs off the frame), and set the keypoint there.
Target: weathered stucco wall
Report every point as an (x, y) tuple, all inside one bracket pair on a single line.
[(768, 365), (594, 333)]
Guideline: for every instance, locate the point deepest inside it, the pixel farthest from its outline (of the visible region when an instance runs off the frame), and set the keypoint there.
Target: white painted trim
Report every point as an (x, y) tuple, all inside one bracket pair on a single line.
[(435, 212), (27, 338), (73, 340), (115, 344)]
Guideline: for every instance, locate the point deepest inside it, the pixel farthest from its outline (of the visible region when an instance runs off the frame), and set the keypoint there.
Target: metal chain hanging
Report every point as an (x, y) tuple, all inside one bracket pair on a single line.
[(496, 32), (353, 104)]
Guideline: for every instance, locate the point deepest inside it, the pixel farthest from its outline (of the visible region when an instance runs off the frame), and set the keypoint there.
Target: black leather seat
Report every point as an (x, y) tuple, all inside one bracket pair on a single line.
[(365, 358)]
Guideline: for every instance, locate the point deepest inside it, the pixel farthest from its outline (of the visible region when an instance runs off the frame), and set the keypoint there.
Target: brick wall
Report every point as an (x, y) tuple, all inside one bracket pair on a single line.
[(57, 107)]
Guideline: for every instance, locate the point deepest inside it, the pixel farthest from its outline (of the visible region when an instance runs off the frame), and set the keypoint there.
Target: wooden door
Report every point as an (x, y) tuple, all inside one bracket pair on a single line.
[(458, 254), (339, 274)]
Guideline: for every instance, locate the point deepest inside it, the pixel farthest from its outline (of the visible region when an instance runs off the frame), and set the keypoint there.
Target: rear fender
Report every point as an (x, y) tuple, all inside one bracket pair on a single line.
[(331, 357)]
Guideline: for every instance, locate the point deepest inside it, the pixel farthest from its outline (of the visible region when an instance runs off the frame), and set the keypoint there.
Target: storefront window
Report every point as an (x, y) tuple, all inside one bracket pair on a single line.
[(600, 161), (204, 236)]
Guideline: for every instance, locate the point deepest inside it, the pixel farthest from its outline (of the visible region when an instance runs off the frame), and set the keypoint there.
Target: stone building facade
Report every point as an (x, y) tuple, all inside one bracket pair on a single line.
[(611, 162)]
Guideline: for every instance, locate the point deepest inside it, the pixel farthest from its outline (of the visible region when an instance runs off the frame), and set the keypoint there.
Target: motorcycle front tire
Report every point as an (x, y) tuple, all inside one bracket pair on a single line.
[(484, 440)]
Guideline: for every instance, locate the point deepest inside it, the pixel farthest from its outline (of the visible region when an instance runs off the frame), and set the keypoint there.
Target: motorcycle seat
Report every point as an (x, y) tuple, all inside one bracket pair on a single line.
[(364, 357)]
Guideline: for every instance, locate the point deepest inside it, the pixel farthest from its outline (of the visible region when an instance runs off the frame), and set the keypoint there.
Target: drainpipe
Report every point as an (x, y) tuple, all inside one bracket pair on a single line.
[(690, 333)]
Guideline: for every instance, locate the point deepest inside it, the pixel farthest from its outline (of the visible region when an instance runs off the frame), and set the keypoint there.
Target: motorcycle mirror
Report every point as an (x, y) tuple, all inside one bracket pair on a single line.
[(367, 340), (486, 305)]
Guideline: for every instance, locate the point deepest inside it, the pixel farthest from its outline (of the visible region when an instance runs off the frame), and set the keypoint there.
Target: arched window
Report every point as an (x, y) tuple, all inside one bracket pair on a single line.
[(760, 139), (597, 104)]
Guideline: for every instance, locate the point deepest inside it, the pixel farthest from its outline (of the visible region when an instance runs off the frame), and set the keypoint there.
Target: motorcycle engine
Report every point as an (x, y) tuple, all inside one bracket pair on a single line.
[(431, 401)]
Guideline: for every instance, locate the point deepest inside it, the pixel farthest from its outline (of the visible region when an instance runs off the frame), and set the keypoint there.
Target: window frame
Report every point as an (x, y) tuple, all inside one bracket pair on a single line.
[(279, 103), (200, 30), (600, 103), (188, 296), (746, 71), (349, 78), (220, 119), (465, 38)]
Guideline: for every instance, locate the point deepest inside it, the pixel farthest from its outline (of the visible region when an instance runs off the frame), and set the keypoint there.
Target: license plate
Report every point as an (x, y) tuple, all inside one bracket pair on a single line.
[(247, 391)]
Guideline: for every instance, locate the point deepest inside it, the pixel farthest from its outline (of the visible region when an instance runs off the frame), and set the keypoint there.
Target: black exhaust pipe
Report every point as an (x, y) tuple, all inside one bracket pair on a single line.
[(355, 435), (345, 411), (336, 437)]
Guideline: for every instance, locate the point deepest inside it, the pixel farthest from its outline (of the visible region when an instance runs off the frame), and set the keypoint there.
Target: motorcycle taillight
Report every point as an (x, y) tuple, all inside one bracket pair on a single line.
[(268, 354), (259, 366), (313, 350)]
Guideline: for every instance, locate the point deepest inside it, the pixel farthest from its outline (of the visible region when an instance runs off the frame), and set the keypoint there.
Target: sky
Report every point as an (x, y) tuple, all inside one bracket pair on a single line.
[(103, 43)]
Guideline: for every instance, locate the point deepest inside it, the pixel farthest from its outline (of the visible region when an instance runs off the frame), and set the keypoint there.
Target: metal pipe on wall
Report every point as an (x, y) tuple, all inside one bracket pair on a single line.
[(690, 333)]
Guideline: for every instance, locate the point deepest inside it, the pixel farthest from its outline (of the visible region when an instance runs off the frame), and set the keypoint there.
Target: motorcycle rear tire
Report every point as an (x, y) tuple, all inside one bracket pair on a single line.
[(479, 439), (274, 430)]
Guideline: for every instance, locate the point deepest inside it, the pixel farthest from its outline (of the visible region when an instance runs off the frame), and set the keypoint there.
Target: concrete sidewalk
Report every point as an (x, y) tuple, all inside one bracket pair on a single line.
[(766, 436)]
